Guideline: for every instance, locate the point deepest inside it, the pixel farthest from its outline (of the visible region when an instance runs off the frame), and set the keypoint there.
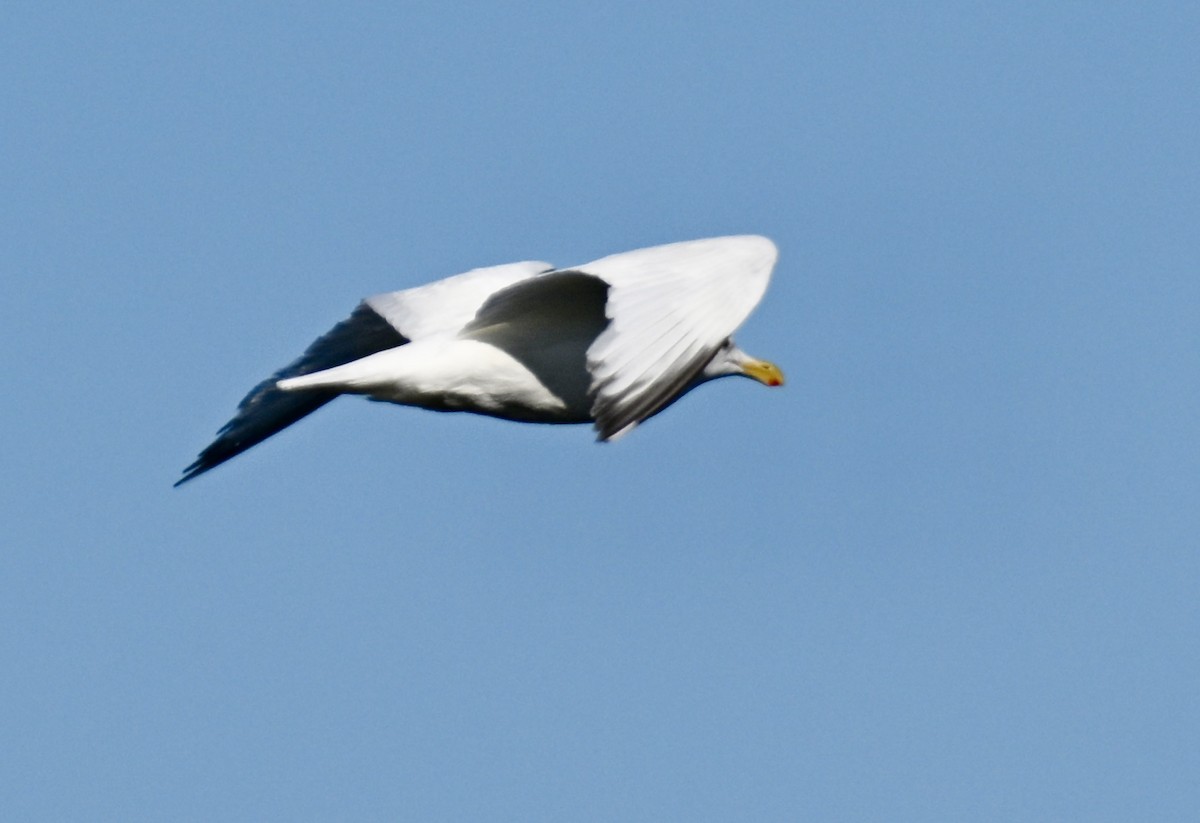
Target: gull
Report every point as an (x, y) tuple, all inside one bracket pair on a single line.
[(611, 342)]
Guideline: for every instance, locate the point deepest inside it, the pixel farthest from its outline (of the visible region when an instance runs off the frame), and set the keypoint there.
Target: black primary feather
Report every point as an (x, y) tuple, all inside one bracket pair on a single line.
[(267, 410)]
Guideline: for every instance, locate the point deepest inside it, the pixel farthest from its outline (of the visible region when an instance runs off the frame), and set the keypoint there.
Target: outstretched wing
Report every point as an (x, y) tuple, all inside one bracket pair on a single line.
[(267, 410), (446, 306), (670, 309), (379, 323)]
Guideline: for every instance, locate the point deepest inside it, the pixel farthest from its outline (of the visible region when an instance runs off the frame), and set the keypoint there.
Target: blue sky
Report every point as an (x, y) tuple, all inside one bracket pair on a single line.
[(950, 572)]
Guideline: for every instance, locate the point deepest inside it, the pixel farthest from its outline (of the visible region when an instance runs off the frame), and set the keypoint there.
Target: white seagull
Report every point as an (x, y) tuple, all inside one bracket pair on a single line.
[(611, 342)]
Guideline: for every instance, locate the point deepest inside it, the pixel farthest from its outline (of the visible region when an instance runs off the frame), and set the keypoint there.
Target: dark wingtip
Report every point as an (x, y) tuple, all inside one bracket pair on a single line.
[(267, 410), (194, 470), (222, 449)]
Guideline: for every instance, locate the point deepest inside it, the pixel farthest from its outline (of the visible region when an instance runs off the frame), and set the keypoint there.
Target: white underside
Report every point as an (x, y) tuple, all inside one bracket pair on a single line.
[(449, 374)]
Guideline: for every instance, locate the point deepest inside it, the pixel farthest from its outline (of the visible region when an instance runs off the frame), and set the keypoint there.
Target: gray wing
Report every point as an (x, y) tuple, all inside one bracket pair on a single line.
[(445, 306), (672, 307), (267, 410)]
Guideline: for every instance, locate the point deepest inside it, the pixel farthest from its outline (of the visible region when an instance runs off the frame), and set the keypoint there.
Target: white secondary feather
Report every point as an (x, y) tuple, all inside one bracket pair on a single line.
[(670, 308), (446, 306)]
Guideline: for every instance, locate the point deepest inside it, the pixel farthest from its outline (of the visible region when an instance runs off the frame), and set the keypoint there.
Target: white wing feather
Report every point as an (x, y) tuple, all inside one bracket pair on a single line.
[(671, 308), (446, 306)]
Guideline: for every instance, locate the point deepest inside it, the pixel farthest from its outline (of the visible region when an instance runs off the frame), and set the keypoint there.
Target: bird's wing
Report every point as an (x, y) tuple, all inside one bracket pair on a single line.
[(379, 323), (670, 309), (267, 410), (446, 306)]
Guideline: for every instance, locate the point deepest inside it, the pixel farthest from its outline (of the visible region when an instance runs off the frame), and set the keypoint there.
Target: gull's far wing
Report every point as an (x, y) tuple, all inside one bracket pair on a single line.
[(379, 323), (267, 410), (446, 306)]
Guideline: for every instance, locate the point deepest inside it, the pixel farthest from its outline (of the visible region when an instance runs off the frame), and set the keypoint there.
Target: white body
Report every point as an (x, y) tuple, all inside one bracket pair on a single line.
[(450, 374)]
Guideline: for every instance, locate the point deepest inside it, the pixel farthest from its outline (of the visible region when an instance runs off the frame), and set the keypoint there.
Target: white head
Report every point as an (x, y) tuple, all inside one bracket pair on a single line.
[(730, 360)]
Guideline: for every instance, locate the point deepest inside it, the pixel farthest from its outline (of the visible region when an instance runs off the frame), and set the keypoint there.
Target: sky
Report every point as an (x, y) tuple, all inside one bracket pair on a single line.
[(949, 572)]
